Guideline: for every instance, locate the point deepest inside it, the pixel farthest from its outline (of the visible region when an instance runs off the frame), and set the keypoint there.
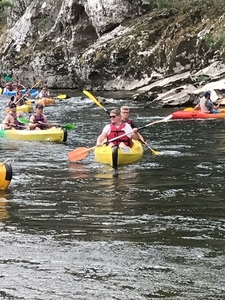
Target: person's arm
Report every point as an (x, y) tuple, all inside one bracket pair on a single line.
[(142, 139), (197, 107), (7, 123), (39, 95), (218, 104), (32, 125), (101, 138), (135, 134)]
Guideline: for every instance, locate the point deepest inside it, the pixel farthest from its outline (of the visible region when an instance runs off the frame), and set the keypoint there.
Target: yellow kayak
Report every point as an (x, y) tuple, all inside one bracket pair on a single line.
[(116, 156), (26, 108), (5, 175), (0, 90), (48, 135)]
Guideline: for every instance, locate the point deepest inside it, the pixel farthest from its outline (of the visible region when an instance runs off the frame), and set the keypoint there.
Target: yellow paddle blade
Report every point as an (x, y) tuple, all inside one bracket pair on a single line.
[(155, 152), (62, 96), (189, 109), (92, 97)]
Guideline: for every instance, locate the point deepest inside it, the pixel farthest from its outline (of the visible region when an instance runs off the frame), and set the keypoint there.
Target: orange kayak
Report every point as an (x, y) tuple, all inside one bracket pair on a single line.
[(195, 114), (46, 101)]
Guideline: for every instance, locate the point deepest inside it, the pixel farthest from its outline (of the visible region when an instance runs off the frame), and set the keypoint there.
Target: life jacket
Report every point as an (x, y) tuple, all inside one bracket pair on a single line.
[(40, 118), (16, 122), (117, 132)]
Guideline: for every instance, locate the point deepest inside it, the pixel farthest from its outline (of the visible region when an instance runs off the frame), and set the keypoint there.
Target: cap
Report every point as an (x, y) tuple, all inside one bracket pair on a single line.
[(207, 93), (12, 104), (39, 105)]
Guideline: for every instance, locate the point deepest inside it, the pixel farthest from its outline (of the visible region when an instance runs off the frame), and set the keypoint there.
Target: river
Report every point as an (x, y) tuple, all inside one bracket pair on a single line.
[(75, 231)]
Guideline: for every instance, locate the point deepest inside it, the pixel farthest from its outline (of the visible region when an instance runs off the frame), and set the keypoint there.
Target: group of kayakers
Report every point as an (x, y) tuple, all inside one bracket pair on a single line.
[(38, 121), (121, 125)]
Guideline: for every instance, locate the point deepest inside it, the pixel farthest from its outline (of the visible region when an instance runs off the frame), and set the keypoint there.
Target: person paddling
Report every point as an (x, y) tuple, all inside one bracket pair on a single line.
[(11, 121), (44, 93), (207, 106), (125, 114), (39, 121), (117, 128)]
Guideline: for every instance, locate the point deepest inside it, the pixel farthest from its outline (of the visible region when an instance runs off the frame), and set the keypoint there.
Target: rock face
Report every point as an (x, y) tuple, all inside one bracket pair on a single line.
[(116, 45)]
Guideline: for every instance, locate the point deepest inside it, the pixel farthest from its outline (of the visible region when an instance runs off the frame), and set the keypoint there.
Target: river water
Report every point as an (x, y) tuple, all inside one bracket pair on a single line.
[(75, 231)]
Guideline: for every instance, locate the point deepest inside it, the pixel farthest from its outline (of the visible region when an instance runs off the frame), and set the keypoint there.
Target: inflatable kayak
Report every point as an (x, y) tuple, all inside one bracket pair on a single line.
[(196, 114), (5, 175), (48, 135), (46, 101), (33, 93), (116, 156)]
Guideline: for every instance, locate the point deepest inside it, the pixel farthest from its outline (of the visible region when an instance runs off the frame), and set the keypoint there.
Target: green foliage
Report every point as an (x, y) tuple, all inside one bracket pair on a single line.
[(3, 5), (215, 41), (185, 6), (203, 78)]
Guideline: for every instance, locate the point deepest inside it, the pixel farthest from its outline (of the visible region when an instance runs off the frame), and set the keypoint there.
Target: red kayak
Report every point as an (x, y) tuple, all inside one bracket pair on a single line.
[(195, 114)]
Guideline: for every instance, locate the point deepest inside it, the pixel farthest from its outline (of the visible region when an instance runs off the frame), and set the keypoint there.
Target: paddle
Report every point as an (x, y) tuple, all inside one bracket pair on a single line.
[(82, 152), (67, 126), (22, 126), (62, 96), (37, 83), (7, 78), (92, 97)]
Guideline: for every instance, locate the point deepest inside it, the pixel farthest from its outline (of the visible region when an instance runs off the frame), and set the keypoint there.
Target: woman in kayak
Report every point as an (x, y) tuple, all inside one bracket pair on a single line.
[(118, 128)]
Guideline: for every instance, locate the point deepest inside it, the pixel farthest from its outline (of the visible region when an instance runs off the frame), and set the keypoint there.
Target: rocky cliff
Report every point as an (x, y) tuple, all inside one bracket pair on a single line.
[(168, 54)]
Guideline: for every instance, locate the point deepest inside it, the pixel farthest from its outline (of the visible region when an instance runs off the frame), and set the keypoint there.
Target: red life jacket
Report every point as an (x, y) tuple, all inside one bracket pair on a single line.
[(117, 132)]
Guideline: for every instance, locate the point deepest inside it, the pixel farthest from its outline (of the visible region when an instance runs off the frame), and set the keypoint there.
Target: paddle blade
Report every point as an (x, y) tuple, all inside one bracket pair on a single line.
[(69, 126), (155, 152), (78, 154), (23, 120), (7, 78), (63, 96), (92, 97)]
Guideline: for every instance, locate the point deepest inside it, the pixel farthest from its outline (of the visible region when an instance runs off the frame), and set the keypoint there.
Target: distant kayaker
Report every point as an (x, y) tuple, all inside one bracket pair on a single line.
[(207, 106), (39, 121), (11, 100), (117, 128), (125, 114), (44, 93), (18, 86), (11, 121), (8, 87), (19, 99)]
